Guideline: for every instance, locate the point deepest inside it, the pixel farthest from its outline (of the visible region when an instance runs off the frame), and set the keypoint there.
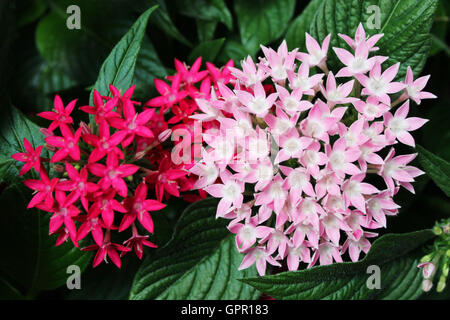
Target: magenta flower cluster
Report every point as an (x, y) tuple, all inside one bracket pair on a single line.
[(294, 154)]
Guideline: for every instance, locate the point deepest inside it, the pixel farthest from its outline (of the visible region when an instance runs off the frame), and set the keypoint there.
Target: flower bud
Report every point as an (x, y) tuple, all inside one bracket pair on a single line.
[(45, 132), (441, 284), (85, 129), (49, 147), (428, 269), (427, 285), (445, 270), (446, 229), (426, 258), (163, 136), (437, 230)]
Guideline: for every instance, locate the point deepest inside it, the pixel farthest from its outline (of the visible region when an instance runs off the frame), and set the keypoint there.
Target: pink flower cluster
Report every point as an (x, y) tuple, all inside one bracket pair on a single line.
[(101, 177), (295, 156)]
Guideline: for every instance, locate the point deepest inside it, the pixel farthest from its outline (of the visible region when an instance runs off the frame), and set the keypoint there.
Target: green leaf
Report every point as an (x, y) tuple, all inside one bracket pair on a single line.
[(436, 168), (148, 67), (210, 10), (36, 83), (439, 30), (200, 262), (106, 282), (30, 11), (80, 52), (32, 262), (118, 68), (397, 255), (262, 21), (205, 30), (8, 292), (405, 24), (207, 50), (233, 49), (9, 35), (162, 20), (295, 35), (14, 127)]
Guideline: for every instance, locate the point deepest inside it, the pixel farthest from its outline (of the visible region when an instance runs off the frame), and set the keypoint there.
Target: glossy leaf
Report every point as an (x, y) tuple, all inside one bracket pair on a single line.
[(436, 168), (200, 262), (207, 50), (210, 10), (397, 256), (405, 24), (262, 21), (14, 127), (118, 68), (34, 262), (295, 35)]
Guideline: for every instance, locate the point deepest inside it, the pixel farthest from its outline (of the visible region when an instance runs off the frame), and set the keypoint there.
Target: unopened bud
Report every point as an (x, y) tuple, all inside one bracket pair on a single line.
[(45, 132), (139, 155), (446, 229), (130, 178), (49, 147), (445, 270), (437, 231), (163, 136), (85, 129), (427, 285), (441, 284), (428, 269), (426, 258), (77, 166)]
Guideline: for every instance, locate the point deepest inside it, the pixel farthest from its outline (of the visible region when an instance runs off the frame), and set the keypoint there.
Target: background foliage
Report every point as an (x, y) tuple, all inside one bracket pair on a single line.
[(40, 57)]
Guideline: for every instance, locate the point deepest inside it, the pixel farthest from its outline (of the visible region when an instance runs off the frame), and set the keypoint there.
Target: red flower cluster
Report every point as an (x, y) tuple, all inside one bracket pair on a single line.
[(104, 174)]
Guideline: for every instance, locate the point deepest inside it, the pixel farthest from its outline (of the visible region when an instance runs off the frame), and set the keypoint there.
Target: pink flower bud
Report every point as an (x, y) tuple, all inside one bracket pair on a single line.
[(45, 132), (49, 147), (163, 136), (428, 269), (427, 285), (85, 129)]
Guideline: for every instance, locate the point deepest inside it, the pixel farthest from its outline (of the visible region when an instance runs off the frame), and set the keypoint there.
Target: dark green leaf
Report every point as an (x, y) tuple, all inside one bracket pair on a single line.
[(233, 49), (395, 254), (80, 52), (262, 21), (211, 10), (205, 30), (148, 67), (8, 292), (405, 24), (14, 127), (118, 68), (436, 168), (30, 11), (33, 261), (200, 262), (439, 30), (162, 20), (207, 50), (295, 35), (106, 282)]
